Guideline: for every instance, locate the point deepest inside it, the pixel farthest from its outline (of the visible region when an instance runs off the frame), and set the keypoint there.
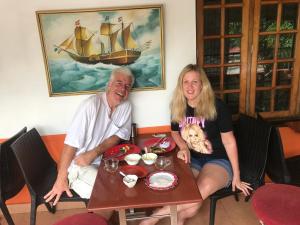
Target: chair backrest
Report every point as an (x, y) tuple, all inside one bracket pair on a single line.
[(34, 159), (276, 168), (252, 137), (11, 177)]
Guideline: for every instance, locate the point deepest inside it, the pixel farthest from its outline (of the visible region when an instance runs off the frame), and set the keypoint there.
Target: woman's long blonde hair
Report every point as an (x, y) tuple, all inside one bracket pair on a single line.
[(206, 100)]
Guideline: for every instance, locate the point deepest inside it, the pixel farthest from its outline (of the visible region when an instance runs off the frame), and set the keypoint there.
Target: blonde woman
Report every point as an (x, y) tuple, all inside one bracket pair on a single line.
[(194, 103)]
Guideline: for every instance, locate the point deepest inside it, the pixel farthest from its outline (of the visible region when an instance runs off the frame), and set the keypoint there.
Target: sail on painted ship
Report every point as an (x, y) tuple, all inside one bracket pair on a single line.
[(80, 46)]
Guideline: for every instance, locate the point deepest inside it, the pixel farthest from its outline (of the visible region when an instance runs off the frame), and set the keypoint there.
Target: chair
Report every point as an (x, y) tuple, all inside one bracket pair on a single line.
[(39, 171), (83, 219), (279, 169), (252, 137), (11, 178)]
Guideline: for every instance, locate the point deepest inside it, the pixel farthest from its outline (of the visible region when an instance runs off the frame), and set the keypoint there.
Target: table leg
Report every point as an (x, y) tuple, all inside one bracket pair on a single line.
[(173, 209), (122, 217)]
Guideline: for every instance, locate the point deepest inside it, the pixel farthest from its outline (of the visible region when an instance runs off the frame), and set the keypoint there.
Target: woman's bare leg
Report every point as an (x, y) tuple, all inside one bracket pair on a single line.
[(211, 178), (188, 213), (154, 220), (166, 210)]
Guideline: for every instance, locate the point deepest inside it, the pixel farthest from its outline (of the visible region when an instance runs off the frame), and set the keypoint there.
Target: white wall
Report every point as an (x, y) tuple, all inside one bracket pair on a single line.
[(24, 99)]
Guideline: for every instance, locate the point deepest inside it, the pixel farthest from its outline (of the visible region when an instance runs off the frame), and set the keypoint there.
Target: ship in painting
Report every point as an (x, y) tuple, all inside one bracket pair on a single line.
[(116, 46)]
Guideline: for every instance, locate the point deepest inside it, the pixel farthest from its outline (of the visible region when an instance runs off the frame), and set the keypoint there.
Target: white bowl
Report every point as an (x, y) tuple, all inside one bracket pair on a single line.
[(132, 159), (132, 182), (149, 158)]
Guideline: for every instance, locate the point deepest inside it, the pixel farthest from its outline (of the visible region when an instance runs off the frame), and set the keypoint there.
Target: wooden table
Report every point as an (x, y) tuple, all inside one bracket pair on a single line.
[(109, 192)]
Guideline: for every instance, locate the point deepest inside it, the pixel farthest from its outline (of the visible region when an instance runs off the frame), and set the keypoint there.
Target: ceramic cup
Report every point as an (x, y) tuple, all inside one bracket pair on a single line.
[(162, 162), (111, 165), (149, 158), (130, 180), (132, 159)]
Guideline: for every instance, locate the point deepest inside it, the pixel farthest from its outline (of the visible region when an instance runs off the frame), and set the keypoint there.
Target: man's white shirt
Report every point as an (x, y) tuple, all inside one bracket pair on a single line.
[(92, 124)]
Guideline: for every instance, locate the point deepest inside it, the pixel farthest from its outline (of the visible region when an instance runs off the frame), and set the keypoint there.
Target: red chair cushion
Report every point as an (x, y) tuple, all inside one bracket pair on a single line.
[(83, 219), (277, 204)]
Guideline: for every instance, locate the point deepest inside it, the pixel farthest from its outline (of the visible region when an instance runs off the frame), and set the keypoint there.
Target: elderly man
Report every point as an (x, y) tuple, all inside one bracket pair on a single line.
[(100, 122)]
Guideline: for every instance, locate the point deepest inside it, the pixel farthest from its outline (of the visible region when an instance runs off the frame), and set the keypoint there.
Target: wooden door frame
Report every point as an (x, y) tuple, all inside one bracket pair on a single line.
[(249, 51)]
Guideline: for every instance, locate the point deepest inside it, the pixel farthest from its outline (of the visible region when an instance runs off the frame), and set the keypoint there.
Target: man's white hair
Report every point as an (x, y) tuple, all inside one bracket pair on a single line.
[(122, 70)]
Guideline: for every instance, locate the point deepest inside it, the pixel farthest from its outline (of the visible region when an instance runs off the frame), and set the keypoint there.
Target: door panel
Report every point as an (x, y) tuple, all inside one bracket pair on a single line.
[(273, 77), (220, 38), (253, 65)]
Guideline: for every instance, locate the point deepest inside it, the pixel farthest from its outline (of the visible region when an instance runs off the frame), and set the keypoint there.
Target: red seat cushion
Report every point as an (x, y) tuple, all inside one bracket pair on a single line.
[(277, 204), (83, 219)]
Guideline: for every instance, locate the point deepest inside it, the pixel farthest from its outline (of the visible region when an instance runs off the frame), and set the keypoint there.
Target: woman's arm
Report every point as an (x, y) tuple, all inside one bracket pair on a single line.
[(184, 152), (229, 143)]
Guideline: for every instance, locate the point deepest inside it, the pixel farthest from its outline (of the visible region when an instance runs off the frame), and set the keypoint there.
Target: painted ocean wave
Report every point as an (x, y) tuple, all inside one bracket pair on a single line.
[(68, 75)]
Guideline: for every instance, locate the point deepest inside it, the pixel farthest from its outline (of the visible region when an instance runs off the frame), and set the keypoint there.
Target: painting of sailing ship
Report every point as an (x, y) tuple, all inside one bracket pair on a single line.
[(81, 44), (81, 47)]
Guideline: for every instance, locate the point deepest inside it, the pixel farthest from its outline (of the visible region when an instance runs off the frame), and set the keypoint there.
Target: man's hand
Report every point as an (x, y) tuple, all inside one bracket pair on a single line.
[(58, 188), (86, 158), (61, 183)]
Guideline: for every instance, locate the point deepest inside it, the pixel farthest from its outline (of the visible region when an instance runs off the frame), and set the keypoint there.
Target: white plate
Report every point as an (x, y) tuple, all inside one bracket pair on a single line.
[(161, 180)]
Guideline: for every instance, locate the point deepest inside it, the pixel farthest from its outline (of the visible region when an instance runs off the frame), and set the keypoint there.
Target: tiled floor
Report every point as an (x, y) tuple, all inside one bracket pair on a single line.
[(229, 212)]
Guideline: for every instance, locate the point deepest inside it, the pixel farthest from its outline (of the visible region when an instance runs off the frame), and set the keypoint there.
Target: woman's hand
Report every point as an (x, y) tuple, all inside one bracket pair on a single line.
[(184, 154), (241, 185), (208, 145)]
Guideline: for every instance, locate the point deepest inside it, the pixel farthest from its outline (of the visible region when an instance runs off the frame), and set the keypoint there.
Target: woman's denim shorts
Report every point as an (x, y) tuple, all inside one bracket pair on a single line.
[(198, 163)]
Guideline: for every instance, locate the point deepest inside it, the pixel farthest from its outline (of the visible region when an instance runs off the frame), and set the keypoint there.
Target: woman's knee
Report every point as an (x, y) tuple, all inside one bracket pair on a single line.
[(206, 188), (189, 212)]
